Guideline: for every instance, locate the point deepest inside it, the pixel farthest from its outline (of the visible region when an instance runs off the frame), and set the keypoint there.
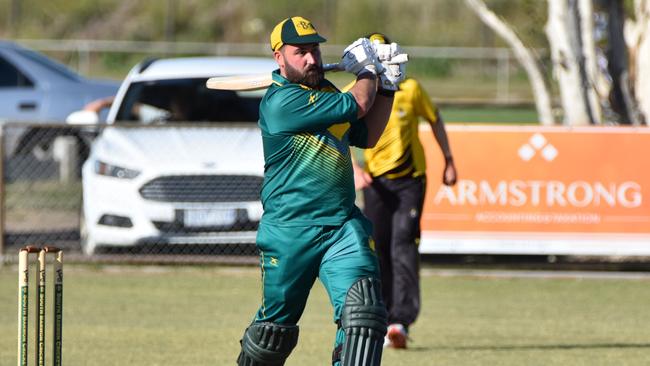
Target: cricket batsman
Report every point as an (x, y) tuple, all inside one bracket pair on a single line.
[(311, 227)]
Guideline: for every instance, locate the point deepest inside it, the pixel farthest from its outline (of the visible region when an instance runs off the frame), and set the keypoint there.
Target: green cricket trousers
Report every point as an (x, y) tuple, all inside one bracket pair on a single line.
[(292, 257)]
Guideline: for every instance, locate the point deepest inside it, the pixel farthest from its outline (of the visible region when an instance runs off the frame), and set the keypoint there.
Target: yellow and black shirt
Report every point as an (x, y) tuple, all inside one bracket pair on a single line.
[(398, 152)]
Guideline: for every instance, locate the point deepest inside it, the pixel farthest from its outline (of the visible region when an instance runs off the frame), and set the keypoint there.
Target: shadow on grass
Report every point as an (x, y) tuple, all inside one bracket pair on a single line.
[(529, 347)]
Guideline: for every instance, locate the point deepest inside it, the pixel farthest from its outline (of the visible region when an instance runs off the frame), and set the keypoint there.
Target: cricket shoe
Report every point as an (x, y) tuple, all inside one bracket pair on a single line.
[(396, 336)]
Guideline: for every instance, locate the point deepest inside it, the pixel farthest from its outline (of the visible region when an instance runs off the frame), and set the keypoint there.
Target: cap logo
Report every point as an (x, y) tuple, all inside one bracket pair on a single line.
[(303, 26)]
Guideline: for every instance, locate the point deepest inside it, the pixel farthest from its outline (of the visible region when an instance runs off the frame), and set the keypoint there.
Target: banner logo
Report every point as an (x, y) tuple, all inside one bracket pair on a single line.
[(538, 144)]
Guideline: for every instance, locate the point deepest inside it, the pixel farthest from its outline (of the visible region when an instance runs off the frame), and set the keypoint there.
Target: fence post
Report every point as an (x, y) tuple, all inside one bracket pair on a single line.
[(2, 193), (83, 61), (65, 153), (503, 75)]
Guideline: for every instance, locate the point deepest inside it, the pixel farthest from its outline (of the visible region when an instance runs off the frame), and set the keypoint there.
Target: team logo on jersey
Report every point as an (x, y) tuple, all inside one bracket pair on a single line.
[(274, 262), (371, 243), (312, 98)]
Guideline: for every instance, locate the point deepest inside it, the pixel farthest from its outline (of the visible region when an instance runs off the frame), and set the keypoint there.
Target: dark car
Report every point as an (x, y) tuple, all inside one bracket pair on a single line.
[(37, 89)]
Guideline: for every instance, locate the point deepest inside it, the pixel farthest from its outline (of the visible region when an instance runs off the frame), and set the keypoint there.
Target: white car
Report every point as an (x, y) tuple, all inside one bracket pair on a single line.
[(171, 184)]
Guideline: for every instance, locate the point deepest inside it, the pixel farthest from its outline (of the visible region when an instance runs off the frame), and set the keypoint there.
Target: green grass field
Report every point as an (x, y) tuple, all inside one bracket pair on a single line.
[(495, 115), (131, 315)]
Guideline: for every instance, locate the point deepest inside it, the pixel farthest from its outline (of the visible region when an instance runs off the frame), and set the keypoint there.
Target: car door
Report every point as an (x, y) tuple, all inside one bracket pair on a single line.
[(20, 100)]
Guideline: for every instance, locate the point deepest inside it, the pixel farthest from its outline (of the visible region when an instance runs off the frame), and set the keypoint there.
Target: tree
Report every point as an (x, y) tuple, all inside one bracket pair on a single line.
[(619, 92), (523, 55), (637, 37), (570, 33)]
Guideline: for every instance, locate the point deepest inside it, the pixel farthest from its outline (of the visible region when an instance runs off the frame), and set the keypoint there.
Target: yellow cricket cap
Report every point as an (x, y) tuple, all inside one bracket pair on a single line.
[(379, 37), (294, 30)]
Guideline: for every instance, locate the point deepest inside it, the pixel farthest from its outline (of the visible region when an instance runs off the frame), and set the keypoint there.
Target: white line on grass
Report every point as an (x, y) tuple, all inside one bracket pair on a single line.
[(535, 274)]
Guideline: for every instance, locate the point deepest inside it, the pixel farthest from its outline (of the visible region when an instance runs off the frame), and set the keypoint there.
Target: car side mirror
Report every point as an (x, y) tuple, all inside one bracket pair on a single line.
[(88, 123), (82, 117)]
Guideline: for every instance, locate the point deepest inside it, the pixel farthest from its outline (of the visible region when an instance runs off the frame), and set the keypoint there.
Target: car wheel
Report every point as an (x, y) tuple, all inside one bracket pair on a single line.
[(39, 142), (36, 141)]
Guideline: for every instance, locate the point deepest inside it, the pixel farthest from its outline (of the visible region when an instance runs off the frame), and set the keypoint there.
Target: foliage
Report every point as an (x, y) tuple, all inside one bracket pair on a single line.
[(414, 22), (409, 22)]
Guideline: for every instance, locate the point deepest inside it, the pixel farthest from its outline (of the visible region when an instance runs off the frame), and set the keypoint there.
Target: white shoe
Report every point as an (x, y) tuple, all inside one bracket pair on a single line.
[(396, 336), (386, 341)]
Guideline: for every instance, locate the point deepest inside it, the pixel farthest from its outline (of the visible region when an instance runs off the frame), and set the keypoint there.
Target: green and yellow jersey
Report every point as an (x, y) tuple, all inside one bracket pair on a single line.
[(399, 153), (307, 134)]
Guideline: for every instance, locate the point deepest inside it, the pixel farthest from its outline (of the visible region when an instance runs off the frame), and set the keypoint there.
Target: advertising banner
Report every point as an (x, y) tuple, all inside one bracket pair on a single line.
[(539, 190)]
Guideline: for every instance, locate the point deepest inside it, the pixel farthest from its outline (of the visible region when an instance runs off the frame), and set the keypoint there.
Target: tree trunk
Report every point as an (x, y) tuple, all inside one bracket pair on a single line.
[(566, 55), (620, 96), (523, 55), (586, 12), (637, 36)]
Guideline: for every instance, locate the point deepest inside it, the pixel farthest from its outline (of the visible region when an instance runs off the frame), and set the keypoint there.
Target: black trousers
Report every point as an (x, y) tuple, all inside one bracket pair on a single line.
[(395, 206)]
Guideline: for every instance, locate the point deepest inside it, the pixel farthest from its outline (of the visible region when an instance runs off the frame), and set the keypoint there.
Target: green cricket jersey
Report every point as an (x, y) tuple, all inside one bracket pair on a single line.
[(307, 134)]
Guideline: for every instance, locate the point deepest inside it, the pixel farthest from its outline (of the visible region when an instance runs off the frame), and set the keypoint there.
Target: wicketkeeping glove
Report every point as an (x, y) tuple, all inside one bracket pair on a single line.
[(360, 57)]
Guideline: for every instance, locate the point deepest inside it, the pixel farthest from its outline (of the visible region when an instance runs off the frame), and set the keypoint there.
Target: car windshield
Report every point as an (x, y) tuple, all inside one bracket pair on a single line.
[(49, 64), (181, 100)]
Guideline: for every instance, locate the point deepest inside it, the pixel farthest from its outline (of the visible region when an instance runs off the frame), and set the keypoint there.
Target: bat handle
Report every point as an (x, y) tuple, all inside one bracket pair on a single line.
[(397, 59), (332, 67)]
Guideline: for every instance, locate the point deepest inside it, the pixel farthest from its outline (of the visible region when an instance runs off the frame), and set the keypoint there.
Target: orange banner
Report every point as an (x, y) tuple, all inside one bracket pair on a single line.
[(539, 182)]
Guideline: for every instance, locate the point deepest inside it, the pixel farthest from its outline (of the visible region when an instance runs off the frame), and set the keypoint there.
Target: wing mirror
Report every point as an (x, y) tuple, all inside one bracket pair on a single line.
[(83, 117)]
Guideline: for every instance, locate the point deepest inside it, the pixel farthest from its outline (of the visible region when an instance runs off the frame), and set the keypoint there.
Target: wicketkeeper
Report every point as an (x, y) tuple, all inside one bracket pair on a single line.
[(311, 227)]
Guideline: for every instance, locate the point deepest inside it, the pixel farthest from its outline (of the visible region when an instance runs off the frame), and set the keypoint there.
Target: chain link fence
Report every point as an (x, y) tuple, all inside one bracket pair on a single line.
[(147, 194)]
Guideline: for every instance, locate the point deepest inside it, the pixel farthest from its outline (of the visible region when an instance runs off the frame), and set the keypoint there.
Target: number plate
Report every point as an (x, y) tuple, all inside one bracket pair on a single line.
[(208, 217)]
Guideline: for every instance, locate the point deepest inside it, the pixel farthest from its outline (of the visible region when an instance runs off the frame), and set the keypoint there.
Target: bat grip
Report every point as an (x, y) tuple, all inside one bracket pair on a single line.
[(332, 67), (397, 59)]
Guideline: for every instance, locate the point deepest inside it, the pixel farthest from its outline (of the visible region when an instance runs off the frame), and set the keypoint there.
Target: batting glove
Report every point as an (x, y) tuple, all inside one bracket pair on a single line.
[(360, 57), (385, 52), (394, 69), (392, 76)]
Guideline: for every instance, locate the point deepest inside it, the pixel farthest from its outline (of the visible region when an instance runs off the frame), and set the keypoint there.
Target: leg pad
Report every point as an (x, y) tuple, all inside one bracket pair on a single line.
[(267, 344), (363, 320)]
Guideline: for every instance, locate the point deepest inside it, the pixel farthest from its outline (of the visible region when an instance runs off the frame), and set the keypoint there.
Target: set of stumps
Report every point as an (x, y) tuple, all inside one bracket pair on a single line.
[(23, 304)]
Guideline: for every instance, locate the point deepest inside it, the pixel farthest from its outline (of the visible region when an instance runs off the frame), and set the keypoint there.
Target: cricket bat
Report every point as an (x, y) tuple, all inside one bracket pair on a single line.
[(262, 81)]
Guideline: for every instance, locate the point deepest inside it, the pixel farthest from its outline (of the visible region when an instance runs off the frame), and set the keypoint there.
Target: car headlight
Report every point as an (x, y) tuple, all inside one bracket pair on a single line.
[(109, 170)]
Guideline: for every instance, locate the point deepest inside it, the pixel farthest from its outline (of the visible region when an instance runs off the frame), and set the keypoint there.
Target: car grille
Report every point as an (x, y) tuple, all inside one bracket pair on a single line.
[(203, 188), (180, 229)]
